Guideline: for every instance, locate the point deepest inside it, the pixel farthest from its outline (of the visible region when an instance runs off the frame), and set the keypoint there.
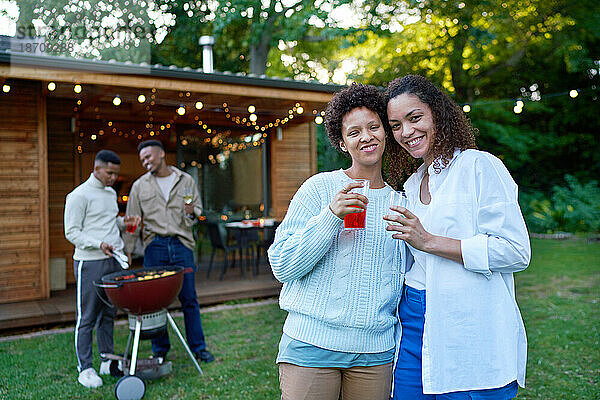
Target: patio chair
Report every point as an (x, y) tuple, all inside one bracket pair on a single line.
[(246, 240), (218, 240)]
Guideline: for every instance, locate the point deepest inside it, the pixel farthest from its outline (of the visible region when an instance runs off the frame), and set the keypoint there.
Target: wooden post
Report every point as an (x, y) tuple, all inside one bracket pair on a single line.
[(43, 201)]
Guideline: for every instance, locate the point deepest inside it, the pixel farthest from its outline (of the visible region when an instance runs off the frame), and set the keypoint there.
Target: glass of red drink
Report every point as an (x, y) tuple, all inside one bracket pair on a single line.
[(131, 223), (357, 220)]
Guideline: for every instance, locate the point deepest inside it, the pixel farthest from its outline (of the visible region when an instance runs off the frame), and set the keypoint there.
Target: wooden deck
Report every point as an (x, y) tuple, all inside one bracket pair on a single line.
[(60, 307)]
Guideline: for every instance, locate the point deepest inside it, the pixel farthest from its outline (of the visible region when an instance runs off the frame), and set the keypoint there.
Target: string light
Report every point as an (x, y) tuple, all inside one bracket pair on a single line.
[(6, 88), (224, 142)]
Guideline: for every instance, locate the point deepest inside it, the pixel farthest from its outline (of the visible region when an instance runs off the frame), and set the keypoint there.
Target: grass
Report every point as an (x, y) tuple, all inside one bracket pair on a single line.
[(558, 295)]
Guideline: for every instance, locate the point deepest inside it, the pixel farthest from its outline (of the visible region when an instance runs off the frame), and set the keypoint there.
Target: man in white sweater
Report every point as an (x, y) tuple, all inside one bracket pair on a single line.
[(91, 225)]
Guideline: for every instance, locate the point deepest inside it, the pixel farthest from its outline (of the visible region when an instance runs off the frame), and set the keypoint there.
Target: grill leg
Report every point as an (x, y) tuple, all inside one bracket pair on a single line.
[(174, 326), (136, 342), (128, 346)]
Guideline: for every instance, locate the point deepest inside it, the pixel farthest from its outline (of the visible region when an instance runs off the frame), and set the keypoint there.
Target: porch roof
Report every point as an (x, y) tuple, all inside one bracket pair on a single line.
[(225, 97)]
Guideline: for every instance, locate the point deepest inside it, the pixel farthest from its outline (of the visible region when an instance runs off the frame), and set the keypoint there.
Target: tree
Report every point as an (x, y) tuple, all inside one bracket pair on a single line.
[(487, 53), (121, 30), (272, 21)]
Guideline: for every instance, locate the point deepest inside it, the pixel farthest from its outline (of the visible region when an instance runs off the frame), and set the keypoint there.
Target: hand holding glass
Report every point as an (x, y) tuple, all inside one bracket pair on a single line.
[(357, 220), (132, 222), (188, 196)]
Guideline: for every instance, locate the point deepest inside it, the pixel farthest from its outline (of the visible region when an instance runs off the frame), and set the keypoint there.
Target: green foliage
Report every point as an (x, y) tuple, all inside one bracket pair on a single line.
[(328, 158), (122, 30), (572, 208)]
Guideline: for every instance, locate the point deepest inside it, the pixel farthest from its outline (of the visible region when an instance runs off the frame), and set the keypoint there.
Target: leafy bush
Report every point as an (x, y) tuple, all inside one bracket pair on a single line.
[(574, 208)]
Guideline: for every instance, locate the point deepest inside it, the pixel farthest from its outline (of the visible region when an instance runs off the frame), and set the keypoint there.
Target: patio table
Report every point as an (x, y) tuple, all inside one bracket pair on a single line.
[(247, 237)]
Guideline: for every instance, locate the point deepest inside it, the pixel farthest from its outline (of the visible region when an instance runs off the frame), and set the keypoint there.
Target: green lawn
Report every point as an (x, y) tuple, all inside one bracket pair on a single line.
[(558, 295)]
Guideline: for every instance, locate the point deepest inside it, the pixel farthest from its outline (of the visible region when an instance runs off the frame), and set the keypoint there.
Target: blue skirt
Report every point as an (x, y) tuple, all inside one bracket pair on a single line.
[(408, 382)]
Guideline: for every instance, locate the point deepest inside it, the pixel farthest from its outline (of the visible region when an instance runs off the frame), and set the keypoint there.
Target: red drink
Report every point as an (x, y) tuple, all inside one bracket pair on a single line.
[(131, 228), (355, 220)]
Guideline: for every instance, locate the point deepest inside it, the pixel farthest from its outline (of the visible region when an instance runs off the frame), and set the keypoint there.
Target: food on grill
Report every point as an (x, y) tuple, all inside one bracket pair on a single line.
[(145, 275)]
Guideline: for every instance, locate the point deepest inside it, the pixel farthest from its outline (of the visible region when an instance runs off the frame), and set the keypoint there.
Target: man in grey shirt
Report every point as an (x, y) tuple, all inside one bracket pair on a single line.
[(90, 222)]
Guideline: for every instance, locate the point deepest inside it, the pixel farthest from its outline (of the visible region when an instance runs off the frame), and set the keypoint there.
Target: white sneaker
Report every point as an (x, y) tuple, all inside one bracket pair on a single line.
[(89, 378), (104, 367)]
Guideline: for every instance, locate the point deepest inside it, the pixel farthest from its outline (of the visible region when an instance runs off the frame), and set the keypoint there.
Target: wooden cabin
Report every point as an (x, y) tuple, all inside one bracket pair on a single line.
[(248, 141)]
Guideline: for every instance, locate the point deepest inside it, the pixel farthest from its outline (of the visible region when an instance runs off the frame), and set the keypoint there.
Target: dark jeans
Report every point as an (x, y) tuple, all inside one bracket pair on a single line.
[(168, 250)]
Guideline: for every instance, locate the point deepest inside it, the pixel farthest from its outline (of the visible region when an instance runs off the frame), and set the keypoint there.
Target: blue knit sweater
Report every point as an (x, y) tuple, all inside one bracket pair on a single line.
[(340, 288)]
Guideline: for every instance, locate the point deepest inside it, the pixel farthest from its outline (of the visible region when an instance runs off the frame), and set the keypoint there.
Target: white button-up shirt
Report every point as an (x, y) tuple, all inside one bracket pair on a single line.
[(474, 337)]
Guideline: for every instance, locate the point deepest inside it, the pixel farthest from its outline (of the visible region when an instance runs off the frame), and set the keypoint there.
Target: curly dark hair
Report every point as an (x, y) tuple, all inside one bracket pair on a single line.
[(355, 96), (452, 128)]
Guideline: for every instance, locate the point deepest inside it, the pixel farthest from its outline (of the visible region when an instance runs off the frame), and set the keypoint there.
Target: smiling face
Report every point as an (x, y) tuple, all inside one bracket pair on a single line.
[(363, 136), (152, 158), (412, 124)]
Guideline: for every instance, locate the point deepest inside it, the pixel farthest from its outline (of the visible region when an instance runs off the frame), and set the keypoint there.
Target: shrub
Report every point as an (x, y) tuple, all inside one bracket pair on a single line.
[(571, 208)]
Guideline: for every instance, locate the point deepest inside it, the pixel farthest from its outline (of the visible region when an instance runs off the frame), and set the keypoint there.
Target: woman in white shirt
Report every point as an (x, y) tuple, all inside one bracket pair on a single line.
[(461, 336)]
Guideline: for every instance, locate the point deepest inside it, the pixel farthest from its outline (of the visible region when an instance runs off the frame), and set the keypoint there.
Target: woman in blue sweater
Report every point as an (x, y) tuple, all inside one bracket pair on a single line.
[(340, 287)]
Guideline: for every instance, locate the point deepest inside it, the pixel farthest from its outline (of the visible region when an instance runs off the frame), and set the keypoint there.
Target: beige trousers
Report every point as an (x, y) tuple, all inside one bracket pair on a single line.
[(356, 383)]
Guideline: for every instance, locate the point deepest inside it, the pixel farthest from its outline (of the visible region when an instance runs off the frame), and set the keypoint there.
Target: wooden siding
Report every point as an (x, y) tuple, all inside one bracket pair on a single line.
[(23, 194), (63, 178), (293, 160)]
